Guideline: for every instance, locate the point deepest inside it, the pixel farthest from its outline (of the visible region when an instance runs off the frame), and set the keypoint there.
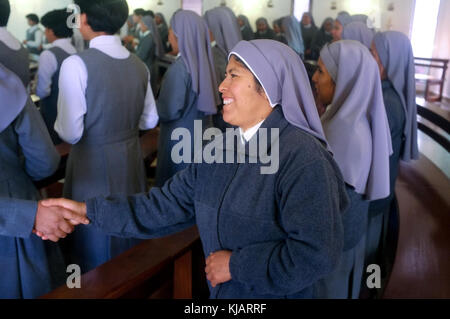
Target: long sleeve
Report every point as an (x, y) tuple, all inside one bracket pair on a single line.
[(310, 215), (71, 100), (160, 212), (47, 68), (41, 157), (174, 93), (17, 217)]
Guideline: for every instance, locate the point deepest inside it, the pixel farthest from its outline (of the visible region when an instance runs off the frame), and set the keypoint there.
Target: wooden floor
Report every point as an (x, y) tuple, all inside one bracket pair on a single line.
[(422, 263)]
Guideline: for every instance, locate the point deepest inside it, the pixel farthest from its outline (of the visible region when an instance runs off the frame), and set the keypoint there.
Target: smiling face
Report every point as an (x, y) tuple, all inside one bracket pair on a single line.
[(245, 102), (336, 32), (324, 84)]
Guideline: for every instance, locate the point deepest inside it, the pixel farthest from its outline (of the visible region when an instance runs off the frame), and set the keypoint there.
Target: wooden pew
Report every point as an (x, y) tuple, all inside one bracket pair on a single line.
[(166, 268), (431, 80)]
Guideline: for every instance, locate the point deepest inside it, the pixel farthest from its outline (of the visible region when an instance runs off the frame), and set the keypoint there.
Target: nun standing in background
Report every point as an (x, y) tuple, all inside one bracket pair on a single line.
[(277, 29), (309, 31), (356, 127), (150, 48), (393, 53), (263, 30), (246, 28), (266, 235), (225, 31), (29, 266), (188, 91), (293, 33), (163, 29), (341, 21), (358, 31), (323, 36)]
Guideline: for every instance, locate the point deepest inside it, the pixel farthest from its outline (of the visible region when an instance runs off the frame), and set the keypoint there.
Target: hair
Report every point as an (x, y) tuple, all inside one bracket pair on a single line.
[(5, 11), (258, 85), (104, 15), (56, 21), (150, 13), (33, 17), (139, 12)]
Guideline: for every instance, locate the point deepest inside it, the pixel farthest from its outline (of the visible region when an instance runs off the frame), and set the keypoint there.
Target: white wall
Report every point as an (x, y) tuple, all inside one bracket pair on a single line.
[(401, 18), (254, 9), (442, 42), (17, 24)]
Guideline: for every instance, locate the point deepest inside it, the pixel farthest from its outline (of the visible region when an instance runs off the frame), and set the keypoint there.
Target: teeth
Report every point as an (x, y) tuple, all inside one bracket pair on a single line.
[(227, 101)]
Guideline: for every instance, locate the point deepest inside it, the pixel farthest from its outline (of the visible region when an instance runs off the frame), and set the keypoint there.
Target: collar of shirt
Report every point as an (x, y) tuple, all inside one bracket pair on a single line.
[(110, 45), (65, 44), (213, 44), (144, 34), (9, 40), (248, 134)]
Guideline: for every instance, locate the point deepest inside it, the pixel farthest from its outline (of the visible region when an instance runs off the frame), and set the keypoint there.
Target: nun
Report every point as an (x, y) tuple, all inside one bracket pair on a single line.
[(393, 53), (323, 36), (268, 235), (225, 31), (29, 266), (356, 127), (309, 31), (279, 36), (245, 27), (150, 48), (188, 89), (293, 34), (358, 31), (163, 29), (341, 21), (223, 24), (263, 30)]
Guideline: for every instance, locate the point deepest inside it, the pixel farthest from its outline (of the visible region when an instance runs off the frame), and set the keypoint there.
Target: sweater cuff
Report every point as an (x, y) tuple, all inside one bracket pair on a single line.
[(234, 266), (24, 218), (92, 212)]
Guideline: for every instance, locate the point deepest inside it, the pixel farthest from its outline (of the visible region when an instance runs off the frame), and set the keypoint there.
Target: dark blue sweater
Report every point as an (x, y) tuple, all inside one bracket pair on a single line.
[(284, 229)]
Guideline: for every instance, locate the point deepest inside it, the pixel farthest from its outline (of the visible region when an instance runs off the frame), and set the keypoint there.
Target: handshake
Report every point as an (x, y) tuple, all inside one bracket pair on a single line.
[(56, 218)]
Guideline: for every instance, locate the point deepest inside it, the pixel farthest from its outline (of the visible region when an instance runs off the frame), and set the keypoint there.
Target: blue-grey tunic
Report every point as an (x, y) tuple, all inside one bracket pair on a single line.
[(146, 52), (31, 36), (177, 108), (29, 266), (16, 61), (284, 229), (379, 210), (345, 281), (108, 158), (49, 105)]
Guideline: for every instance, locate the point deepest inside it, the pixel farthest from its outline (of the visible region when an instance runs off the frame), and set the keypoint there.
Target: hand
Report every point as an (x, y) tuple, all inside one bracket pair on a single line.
[(218, 267), (54, 223), (24, 41)]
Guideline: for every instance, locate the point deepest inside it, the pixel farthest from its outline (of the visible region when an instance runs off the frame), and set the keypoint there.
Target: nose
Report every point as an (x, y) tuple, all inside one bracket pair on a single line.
[(223, 86), (314, 78)]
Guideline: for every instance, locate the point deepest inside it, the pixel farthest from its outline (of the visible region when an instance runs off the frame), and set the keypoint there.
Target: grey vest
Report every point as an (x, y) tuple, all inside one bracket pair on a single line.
[(17, 61), (108, 158), (50, 103), (31, 36)]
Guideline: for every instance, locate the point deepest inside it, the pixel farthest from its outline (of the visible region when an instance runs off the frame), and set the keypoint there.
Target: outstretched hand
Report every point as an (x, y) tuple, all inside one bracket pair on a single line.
[(55, 218)]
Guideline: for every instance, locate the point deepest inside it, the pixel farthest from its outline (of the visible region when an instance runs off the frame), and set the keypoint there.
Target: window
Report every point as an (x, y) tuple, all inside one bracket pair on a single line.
[(424, 27), (193, 5), (300, 7)]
